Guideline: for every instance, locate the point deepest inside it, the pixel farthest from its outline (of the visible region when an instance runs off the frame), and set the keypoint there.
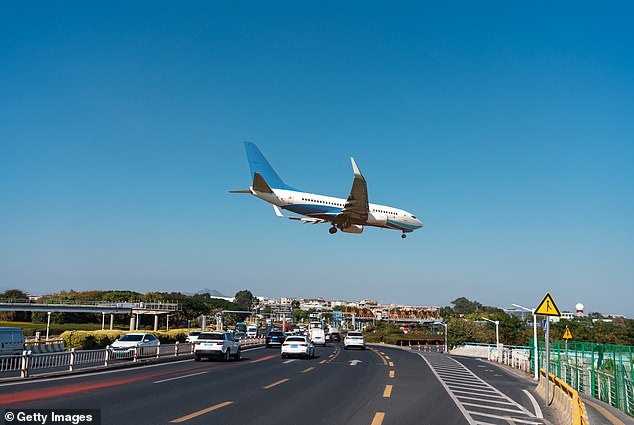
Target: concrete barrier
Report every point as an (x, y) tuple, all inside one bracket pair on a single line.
[(563, 398)]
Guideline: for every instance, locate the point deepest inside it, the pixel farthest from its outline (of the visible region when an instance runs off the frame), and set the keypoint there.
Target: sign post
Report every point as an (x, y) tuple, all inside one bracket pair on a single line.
[(548, 308)]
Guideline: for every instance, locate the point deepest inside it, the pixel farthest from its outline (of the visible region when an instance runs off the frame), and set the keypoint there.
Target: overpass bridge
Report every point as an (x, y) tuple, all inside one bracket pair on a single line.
[(134, 309)]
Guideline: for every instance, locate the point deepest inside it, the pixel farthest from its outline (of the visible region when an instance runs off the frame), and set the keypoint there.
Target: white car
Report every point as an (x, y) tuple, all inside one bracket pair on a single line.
[(296, 345), (354, 339), (192, 337), (216, 344), (128, 343)]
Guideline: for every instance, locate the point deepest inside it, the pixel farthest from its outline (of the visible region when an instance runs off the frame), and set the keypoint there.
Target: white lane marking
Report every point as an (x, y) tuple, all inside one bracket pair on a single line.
[(509, 420), (453, 397), (289, 361), (179, 377), (105, 372), (473, 411), (538, 410)]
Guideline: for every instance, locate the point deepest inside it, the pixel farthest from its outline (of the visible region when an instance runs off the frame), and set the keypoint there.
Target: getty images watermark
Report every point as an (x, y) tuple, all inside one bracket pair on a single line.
[(52, 416)]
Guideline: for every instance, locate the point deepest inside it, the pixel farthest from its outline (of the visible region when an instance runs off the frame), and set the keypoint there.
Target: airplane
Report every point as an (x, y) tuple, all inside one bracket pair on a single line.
[(349, 215)]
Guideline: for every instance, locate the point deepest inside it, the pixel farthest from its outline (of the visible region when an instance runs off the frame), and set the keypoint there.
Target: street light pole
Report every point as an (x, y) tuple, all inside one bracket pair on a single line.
[(497, 335), (446, 345), (535, 345)]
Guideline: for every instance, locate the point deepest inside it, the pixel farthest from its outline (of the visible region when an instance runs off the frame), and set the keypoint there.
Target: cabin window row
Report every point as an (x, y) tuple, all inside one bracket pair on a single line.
[(323, 202)]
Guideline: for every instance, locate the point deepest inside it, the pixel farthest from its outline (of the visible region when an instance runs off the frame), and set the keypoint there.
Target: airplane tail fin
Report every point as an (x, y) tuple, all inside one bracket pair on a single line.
[(259, 165)]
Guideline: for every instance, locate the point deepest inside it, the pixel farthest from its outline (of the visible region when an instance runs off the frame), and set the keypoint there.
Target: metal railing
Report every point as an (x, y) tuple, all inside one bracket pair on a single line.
[(29, 363), (601, 371)]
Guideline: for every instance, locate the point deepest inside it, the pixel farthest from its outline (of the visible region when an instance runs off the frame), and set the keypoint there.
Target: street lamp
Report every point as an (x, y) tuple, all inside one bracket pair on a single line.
[(446, 345), (536, 361), (497, 335)]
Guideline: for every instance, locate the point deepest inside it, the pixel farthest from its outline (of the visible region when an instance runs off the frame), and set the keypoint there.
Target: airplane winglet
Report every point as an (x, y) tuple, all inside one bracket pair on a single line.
[(355, 168), (278, 212)]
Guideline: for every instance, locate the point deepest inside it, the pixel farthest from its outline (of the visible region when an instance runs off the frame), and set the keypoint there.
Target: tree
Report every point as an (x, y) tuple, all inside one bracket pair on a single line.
[(244, 299), (463, 306), (294, 304)]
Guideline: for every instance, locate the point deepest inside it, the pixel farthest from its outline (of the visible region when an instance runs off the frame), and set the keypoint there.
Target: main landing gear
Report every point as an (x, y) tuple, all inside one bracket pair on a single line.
[(332, 230), (403, 235)]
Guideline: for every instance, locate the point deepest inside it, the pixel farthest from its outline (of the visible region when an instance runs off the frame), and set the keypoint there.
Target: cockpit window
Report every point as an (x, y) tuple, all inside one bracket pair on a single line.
[(414, 217)]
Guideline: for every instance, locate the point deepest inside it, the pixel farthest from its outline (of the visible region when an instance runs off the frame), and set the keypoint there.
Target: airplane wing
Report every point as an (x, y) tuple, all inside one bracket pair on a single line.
[(357, 207)]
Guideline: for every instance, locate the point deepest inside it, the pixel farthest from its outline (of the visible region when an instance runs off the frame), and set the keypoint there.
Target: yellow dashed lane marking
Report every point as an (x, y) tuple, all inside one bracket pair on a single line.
[(387, 357), (388, 391), (391, 364), (201, 412), (281, 381), (378, 418), (308, 369), (323, 361), (391, 374)]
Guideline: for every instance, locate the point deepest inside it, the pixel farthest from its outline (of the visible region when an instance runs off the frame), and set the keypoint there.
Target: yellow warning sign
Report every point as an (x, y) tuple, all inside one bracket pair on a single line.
[(548, 307), (567, 333)]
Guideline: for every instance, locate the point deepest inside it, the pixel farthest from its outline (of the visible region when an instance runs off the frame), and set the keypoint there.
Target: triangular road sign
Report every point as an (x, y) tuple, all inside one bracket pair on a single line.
[(548, 307), (567, 334)]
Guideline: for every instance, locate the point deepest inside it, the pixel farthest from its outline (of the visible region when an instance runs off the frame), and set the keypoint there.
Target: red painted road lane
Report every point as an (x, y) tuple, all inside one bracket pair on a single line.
[(60, 391), (62, 388)]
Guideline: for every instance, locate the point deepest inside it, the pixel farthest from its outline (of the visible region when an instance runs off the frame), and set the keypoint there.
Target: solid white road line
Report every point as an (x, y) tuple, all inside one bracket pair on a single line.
[(538, 410), (179, 377)]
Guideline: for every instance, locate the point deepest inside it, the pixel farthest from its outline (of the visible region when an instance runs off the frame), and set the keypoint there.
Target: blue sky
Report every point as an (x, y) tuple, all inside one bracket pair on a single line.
[(507, 128)]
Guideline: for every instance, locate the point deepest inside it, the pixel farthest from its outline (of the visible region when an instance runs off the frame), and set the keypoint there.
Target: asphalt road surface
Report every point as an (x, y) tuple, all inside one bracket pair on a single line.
[(379, 385)]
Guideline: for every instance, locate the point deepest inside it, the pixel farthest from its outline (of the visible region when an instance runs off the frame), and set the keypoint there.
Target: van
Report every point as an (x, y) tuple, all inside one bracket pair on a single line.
[(317, 336), (11, 341), (252, 331)]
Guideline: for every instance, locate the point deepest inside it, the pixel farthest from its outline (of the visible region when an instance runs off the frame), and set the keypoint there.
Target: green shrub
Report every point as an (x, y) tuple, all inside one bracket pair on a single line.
[(100, 339)]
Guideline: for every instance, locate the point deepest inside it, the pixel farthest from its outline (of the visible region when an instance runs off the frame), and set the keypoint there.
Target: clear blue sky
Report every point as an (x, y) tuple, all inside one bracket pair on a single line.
[(508, 128)]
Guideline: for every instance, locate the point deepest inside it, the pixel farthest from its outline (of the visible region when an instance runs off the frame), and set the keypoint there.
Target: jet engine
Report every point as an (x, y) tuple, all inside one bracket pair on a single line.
[(353, 228), (377, 219)]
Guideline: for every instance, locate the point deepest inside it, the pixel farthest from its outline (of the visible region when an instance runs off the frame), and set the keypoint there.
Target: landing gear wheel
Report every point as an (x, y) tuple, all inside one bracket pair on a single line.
[(332, 230), (403, 235)]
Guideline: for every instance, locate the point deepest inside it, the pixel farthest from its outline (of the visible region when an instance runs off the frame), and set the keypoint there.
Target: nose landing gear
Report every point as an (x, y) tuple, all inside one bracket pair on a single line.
[(403, 235), (332, 230)]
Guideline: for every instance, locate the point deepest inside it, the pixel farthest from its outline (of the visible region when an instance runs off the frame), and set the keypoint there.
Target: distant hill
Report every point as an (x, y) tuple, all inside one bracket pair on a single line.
[(212, 292)]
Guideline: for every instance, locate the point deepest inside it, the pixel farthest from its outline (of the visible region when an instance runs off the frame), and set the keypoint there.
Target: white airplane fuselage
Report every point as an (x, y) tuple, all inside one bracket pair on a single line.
[(325, 207)]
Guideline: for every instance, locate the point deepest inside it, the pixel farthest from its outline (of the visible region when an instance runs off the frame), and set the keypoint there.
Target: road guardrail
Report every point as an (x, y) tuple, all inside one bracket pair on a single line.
[(30, 363)]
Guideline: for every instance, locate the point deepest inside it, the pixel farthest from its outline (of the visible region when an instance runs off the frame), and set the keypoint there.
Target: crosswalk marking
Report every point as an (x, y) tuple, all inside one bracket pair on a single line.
[(479, 402)]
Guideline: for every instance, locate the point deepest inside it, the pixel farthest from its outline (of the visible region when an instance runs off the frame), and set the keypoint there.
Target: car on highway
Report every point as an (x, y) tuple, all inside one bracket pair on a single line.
[(296, 345), (221, 345), (354, 339), (128, 343), (11, 341), (317, 336), (334, 335), (192, 337), (274, 338)]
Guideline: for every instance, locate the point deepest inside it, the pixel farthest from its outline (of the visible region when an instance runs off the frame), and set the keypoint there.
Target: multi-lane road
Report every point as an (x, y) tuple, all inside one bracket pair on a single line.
[(381, 385)]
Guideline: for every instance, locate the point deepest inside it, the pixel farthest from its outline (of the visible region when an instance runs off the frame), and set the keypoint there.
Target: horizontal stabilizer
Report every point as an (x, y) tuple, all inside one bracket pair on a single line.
[(241, 191)]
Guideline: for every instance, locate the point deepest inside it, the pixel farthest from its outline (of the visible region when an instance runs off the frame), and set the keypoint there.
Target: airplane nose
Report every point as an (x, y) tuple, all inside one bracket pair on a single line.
[(419, 223)]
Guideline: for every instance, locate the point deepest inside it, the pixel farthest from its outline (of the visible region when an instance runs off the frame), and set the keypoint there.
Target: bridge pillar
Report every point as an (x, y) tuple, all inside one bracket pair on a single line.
[(111, 321), (132, 322), (156, 322)]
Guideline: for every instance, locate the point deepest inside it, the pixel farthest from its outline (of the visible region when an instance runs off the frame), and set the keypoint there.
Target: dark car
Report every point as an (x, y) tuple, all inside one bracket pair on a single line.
[(335, 337), (275, 338)]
